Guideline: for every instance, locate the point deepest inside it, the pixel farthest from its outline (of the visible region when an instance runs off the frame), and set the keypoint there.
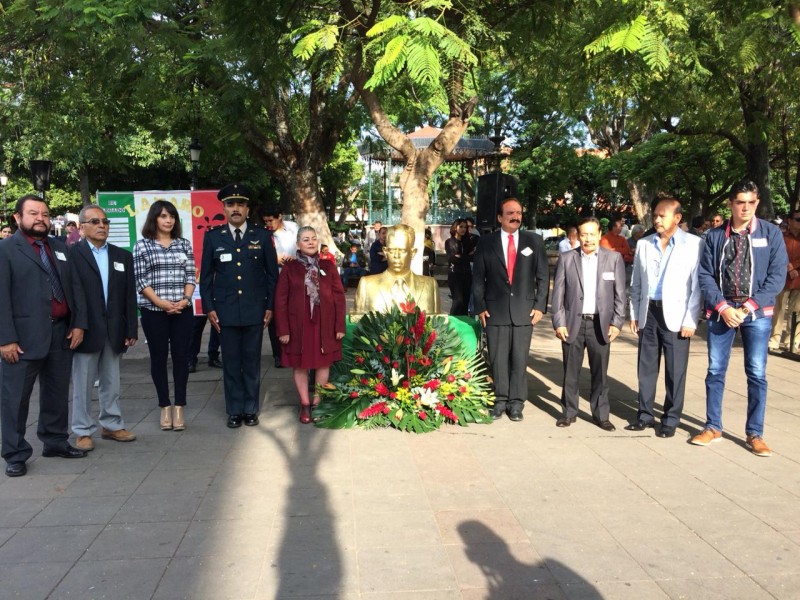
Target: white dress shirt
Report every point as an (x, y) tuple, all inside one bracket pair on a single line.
[(589, 266)]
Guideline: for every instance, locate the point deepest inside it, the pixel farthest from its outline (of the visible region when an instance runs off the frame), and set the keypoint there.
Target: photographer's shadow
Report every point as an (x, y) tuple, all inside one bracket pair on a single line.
[(510, 579)]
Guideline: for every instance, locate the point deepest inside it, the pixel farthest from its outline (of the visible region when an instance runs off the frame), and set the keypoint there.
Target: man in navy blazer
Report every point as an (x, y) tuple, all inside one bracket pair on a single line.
[(42, 321), (105, 272), (588, 312), (665, 305), (238, 275), (510, 281)]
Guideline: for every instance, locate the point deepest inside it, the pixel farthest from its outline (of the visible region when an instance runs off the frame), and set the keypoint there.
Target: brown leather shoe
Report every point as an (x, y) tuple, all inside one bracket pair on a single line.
[(758, 446), (84, 442), (120, 435), (706, 437)]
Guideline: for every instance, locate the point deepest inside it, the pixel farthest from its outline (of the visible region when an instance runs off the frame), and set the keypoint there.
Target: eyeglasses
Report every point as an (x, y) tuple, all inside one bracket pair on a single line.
[(97, 221)]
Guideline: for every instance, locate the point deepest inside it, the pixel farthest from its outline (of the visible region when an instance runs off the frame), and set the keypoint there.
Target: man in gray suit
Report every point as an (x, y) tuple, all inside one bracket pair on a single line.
[(665, 304), (588, 312), (41, 322), (106, 276)]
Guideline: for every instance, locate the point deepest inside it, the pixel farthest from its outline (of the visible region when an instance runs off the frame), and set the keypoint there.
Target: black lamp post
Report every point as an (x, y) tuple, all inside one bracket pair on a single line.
[(194, 154), (614, 182), (497, 156), (40, 174), (3, 184)]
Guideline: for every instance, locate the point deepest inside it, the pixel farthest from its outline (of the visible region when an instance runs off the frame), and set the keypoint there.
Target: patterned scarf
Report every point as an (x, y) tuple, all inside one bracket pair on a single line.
[(311, 264)]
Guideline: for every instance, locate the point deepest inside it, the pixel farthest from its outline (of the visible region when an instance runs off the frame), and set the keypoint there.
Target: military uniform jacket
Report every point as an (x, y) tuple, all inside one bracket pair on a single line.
[(238, 281)]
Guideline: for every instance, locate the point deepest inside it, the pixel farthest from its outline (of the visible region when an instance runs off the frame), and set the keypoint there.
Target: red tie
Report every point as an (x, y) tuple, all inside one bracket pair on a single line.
[(511, 259)]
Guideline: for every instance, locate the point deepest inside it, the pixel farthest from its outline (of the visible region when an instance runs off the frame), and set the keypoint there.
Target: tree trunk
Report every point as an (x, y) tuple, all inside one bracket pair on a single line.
[(641, 198), (758, 170), (86, 195), (755, 111), (306, 205)]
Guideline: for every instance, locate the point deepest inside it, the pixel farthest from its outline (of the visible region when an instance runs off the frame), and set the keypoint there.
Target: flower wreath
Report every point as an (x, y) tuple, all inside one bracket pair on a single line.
[(406, 370)]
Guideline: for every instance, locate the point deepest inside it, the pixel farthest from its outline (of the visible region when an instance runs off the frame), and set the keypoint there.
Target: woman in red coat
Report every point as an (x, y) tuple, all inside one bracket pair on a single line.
[(309, 308)]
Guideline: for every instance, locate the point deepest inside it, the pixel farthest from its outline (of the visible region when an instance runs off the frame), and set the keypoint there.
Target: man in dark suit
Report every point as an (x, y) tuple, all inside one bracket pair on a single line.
[(105, 273), (588, 312), (510, 282), (238, 274), (41, 323)]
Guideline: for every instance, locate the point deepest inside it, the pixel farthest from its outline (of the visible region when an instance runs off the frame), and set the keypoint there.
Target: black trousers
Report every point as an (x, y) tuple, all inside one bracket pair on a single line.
[(273, 338), (241, 368), (509, 346), (168, 334), (654, 340), (16, 385), (197, 339), (460, 285), (590, 338)]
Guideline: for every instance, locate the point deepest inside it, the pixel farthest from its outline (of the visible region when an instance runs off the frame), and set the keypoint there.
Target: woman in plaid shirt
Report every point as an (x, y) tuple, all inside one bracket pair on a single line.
[(165, 279)]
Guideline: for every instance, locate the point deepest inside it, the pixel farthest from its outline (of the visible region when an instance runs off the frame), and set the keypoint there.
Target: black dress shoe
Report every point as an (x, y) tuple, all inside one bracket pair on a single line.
[(65, 452), (605, 425), (215, 363), (498, 410), (192, 366), (639, 425), (515, 413), (16, 469), (565, 421), (666, 432), (234, 421), (251, 419), (277, 362)]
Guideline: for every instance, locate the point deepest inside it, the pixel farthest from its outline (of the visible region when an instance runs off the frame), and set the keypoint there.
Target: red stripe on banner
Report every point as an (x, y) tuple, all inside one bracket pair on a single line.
[(206, 213)]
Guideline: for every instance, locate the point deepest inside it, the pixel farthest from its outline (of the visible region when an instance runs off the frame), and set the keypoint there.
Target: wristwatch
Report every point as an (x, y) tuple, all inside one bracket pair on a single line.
[(744, 309), (188, 299)]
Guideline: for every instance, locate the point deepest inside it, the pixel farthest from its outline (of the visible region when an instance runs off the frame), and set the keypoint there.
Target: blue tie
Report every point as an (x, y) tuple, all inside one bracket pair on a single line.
[(55, 283)]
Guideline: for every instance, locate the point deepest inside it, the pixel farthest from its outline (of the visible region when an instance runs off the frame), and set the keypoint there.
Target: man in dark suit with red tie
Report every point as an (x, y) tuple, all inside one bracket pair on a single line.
[(510, 281), (41, 323)]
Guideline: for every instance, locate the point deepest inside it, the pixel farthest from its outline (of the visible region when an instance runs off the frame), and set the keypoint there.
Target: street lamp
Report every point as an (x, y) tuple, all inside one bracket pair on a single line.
[(3, 184), (194, 154), (40, 174), (614, 182)]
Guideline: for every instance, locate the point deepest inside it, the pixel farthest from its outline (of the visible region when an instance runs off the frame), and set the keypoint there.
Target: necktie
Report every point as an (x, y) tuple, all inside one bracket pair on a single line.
[(238, 233), (52, 275), (511, 258), (400, 291)]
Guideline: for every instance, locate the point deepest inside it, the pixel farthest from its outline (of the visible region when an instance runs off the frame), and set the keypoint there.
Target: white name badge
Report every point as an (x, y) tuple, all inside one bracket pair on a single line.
[(227, 257), (526, 251), (60, 256), (118, 266), (608, 276), (759, 242), (182, 256)]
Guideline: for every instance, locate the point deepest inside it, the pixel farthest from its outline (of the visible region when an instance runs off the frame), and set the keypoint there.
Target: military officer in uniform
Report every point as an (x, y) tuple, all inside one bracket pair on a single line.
[(238, 274)]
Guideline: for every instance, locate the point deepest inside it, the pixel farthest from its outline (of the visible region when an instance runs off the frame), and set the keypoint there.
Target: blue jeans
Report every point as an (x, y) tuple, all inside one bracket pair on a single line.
[(755, 339)]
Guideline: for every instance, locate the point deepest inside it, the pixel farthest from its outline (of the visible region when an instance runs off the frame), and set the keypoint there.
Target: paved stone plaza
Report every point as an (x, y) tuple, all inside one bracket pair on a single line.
[(508, 510)]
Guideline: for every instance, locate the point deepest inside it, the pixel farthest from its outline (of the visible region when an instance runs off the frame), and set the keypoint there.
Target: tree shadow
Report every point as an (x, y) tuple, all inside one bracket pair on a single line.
[(508, 578)]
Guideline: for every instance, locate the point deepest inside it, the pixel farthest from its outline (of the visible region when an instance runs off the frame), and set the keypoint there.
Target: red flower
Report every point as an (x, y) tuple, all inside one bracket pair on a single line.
[(354, 394), (446, 412), (412, 372), (463, 389), (395, 365), (451, 378), (432, 385), (379, 348), (360, 360), (399, 340), (379, 375), (373, 410), (467, 376), (451, 397), (408, 307), (393, 395), (364, 381), (422, 415), (382, 389), (407, 341), (386, 360), (405, 384), (416, 396), (425, 361), (431, 338), (419, 326)]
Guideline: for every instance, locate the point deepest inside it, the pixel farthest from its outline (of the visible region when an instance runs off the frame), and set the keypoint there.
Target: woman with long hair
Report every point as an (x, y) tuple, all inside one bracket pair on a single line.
[(459, 273), (165, 279), (309, 311)]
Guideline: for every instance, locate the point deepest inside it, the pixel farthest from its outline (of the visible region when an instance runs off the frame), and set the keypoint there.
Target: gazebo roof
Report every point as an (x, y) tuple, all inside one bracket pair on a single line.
[(468, 147)]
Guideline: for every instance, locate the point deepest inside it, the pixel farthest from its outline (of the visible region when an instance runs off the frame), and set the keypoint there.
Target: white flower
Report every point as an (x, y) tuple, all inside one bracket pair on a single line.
[(396, 377), (427, 396)]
